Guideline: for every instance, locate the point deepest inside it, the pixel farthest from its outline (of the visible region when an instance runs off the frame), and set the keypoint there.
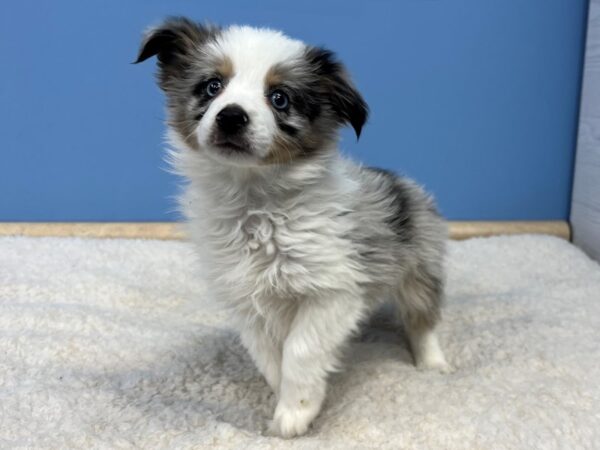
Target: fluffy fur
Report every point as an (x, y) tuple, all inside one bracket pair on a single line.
[(298, 242)]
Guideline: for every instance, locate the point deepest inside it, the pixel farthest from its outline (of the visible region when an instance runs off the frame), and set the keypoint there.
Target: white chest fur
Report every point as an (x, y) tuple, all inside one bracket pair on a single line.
[(262, 244)]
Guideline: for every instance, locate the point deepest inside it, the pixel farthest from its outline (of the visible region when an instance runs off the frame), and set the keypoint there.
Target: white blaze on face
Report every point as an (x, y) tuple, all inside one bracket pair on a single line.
[(252, 52)]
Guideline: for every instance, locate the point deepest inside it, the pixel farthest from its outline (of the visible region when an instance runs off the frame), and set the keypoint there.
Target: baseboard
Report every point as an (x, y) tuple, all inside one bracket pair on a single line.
[(470, 229), (170, 230)]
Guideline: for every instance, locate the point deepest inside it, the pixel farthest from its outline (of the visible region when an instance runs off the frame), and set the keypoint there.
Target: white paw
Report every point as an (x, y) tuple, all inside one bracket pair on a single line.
[(428, 354), (290, 422), (439, 364)]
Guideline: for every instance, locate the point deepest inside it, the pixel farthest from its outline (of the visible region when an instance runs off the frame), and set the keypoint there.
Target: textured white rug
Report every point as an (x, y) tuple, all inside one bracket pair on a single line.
[(106, 343)]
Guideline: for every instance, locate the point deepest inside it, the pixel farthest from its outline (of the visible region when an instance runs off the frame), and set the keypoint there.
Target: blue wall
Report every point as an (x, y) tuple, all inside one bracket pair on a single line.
[(477, 99)]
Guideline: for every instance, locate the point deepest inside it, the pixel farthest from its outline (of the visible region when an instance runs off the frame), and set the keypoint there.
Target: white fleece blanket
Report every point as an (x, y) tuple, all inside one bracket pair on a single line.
[(108, 344)]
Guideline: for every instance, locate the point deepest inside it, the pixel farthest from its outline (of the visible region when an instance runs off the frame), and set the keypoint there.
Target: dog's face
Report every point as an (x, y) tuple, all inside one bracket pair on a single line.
[(251, 96)]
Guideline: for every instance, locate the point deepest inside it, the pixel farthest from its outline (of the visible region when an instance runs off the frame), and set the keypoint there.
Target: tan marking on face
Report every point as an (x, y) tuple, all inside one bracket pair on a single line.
[(225, 67), (274, 77), (282, 151), (186, 129), (285, 150)]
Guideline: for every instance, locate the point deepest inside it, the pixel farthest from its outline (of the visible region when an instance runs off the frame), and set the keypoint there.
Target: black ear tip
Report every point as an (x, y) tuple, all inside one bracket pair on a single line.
[(143, 56), (359, 116), (357, 127), (357, 131), (139, 60)]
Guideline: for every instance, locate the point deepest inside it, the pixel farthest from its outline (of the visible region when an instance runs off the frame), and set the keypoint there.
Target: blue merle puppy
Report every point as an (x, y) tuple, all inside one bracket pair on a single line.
[(299, 243)]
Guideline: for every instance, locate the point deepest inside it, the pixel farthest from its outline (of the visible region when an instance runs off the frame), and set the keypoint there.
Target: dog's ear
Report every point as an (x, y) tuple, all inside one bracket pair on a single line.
[(346, 101), (173, 42)]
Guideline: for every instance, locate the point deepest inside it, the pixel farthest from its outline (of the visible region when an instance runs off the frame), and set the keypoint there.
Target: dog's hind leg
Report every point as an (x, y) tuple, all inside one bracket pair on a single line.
[(419, 300)]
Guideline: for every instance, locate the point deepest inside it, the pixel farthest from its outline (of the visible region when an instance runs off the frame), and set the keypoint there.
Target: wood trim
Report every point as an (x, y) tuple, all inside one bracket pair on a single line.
[(171, 230), (134, 230), (466, 230)]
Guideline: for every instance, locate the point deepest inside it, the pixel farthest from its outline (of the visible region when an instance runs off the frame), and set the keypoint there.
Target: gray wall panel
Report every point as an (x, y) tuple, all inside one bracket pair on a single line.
[(585, 208)]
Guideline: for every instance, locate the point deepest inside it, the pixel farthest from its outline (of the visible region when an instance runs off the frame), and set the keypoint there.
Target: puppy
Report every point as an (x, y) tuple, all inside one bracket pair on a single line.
[(298, 242)]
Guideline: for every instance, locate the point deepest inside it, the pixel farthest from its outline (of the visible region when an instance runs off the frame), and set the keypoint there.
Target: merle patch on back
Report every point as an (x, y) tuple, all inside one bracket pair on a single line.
[(400, 203)]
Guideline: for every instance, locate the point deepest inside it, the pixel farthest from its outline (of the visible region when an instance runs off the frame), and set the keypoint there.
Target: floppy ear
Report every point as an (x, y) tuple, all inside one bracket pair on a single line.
[(173, 41), (345, 100), (160, 42)]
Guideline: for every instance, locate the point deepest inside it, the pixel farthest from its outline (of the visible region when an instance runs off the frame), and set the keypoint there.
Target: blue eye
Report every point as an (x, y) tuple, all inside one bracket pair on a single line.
[(279, 100), (213, 87)]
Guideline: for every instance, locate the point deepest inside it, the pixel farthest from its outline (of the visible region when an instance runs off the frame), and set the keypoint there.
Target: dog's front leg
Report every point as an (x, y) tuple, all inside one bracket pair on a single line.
[(264, 351), (310, 352)]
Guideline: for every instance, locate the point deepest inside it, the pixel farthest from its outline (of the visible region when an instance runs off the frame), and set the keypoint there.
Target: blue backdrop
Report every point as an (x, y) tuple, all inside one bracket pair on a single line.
[(476, 99)]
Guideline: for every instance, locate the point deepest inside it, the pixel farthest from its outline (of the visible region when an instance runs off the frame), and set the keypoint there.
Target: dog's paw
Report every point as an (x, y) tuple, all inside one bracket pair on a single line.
[(437, 364), (291, 422)]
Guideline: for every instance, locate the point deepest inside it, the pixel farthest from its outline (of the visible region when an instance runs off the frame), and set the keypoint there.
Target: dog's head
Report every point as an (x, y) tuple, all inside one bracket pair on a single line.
[(251, 96)]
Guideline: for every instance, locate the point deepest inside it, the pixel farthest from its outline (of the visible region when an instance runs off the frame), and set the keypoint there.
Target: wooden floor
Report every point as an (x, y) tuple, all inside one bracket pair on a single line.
[(170, 230)]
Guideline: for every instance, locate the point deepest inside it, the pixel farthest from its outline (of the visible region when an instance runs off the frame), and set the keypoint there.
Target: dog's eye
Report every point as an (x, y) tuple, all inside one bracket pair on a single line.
[(279, 100), (213, 87)]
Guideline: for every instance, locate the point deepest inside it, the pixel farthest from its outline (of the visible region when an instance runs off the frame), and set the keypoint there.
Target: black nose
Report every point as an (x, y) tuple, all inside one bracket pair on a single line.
[(232, 119)]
